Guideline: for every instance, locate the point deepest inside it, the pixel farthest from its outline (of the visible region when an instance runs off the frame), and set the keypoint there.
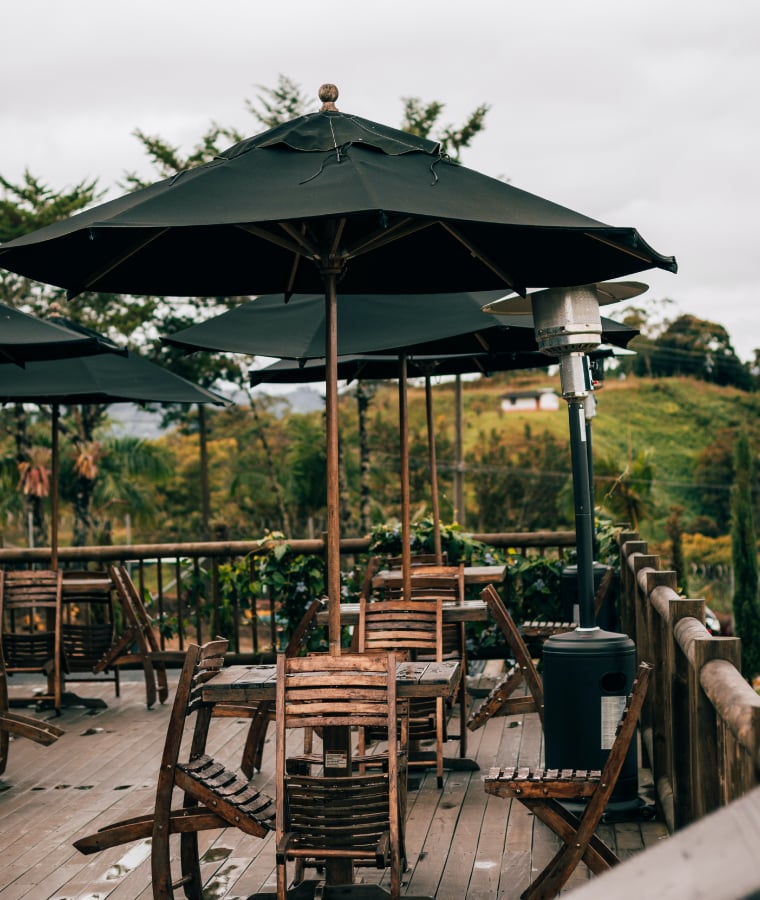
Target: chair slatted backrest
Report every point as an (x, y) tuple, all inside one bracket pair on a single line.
[(413, 628), (407, 626), (87, 622), (30, 613), (337, 813)]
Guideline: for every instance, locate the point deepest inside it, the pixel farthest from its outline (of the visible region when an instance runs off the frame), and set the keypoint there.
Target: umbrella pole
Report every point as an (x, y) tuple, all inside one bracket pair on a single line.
[(403, 416), (54, 492), (333, 487), (433, 472)]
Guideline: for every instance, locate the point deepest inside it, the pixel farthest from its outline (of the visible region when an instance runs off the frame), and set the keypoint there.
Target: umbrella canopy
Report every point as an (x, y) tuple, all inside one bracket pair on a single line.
[(424, 324), (25, 338), (328, 198), (349, 195), (115, 377), (107, 378)]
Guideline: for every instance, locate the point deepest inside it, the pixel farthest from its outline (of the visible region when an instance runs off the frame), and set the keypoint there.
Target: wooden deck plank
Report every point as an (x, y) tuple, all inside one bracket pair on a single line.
[(460, 841)]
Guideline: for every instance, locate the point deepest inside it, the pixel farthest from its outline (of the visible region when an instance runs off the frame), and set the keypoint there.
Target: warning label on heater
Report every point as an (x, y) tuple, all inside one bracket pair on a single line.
[(612, 710), (336, 760)]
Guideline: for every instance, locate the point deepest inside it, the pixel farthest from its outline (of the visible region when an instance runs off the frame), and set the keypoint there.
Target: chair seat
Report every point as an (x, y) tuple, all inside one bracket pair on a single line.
[(562, 784), (229, 794)]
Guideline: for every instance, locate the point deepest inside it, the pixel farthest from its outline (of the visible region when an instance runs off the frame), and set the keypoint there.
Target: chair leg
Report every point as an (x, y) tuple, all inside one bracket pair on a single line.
[(191, 867), (439, 740), (282, 880), (160, 862), (4, 743), (150, 682)]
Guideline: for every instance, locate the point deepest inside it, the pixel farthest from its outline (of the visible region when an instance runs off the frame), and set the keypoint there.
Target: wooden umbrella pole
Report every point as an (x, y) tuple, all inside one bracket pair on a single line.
[(333, 487), (54, 492), (433, 472), (403, 419)]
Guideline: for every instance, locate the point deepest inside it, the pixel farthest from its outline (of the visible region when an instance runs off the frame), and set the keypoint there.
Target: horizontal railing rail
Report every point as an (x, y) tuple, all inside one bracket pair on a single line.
[(182, 581)]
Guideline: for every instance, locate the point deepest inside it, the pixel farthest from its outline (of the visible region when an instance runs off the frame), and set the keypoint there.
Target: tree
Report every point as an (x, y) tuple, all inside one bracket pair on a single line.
[(674, 529), (702, 349), (744, 557), (627, 494), (713, 474)]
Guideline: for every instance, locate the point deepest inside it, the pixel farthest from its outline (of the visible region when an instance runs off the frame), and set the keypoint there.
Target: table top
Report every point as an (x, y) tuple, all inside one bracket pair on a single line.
[(466, 611), (243, 684), (472, 575)]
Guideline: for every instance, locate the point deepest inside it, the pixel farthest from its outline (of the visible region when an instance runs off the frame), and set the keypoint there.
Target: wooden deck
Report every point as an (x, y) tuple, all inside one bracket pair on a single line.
[(460, 842)]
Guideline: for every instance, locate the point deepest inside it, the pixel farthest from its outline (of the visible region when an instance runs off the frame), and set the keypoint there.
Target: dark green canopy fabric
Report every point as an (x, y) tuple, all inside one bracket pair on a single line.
[(380, 368), (107, 378), (425, 324), (328, 191), (25, 338)]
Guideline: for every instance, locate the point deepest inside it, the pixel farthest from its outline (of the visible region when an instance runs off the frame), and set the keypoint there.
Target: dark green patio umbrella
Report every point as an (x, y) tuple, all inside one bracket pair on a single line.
[(25, 338), (116, 377), (328, 200)]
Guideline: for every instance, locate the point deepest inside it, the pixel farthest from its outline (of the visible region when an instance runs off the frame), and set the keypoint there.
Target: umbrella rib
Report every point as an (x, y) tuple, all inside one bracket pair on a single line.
[(508, 279), (299, 237), (637, 255), (93, 278), (296, 247), (401, 229)]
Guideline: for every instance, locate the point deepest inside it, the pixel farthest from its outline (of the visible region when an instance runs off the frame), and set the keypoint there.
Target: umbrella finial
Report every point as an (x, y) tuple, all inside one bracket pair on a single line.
[(328, 94)]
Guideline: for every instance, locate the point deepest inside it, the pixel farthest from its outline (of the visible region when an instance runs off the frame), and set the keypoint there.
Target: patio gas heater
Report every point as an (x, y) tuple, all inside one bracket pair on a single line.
[(588, 672)]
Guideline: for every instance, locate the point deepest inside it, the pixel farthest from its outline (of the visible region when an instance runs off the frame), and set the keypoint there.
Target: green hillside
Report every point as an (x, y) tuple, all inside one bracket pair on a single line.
[(671, 420)]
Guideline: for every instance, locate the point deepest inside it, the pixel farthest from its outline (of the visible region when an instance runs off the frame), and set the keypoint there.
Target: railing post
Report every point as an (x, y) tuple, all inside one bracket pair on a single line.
[(629, 588), (656, 714), (706, 787), (643, 561), (679, 760)]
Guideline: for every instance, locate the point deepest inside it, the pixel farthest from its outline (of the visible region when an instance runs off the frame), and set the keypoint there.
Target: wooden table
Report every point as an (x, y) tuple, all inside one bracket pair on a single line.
[(472, 575), (247, 684)]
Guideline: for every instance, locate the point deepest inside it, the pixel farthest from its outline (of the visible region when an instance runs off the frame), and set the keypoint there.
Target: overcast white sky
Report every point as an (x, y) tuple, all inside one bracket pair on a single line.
[(640, 114)]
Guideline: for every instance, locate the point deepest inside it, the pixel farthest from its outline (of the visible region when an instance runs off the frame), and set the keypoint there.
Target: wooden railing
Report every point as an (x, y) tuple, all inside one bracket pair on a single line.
[(183, 583), (701, 721)]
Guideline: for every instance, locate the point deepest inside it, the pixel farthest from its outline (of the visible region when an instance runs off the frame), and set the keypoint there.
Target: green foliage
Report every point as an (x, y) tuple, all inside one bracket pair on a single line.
[(422, 119), (744, 557), (292, 580), (456, 544)]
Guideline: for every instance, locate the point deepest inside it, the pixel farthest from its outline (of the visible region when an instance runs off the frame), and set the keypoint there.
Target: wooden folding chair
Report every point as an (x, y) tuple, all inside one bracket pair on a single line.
[(326, 811), (137, 642), (30, 617), (13, 724), (88, 626), (500, 701), (408, 627), (213, 795), (543, 792)]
